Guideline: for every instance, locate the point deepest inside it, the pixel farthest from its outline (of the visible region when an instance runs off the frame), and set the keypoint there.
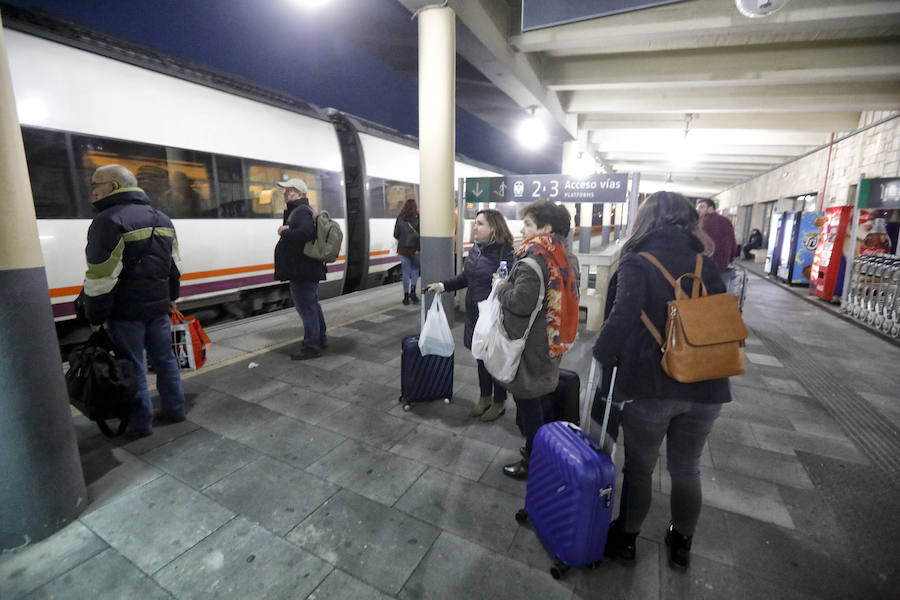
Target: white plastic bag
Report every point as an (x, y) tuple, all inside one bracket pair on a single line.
[(436, 337), (488, 312)]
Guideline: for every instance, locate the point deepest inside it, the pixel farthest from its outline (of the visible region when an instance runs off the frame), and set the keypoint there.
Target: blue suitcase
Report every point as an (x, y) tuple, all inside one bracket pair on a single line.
[(423, 378), (569, 495)]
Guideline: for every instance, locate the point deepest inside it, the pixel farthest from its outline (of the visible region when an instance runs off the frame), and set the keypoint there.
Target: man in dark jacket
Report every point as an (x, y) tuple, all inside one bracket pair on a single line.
[(303, 273), (721, 232), (132, 280)]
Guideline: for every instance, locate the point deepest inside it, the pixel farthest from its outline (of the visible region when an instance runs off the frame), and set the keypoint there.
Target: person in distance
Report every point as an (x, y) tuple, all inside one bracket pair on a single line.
[(493, 243), (667, 227), (545, 227), (406, 232)]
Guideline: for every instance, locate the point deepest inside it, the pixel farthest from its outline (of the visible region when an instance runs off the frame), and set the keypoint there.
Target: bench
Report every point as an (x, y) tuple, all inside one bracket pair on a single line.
[(596, 271), (759, 256)]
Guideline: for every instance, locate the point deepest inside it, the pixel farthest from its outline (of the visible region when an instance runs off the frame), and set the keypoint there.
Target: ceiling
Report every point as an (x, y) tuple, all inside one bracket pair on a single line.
[(750, 93)]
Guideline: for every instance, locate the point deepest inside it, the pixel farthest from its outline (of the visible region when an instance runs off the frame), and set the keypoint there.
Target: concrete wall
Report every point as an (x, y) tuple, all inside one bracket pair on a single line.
[(874, 152)]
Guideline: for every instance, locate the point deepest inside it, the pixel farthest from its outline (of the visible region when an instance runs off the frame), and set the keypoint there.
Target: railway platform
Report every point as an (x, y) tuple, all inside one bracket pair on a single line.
[(308, 480)]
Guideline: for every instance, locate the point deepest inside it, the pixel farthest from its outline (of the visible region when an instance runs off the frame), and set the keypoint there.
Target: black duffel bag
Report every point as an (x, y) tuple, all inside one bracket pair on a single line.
[(101, 384)]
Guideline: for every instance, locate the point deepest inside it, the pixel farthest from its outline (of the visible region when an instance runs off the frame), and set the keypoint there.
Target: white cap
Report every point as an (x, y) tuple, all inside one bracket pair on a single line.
[(296, 183)]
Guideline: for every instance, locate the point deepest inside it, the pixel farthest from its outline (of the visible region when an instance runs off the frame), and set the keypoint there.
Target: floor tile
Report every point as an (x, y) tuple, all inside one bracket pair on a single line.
[(200, 458), (113, 472), (473, 510), (32, 566), (446, 451), (341, 586), (786, 386), (153, 524), (292, 441), (272, 493), (786, 442), (372, 427), (764, 465), (307, 376), (240, 561), (368, 471), (763, 359), (231, 417), (361, 537), (303, 404), (368, 393), (107, 576), (456, 568)]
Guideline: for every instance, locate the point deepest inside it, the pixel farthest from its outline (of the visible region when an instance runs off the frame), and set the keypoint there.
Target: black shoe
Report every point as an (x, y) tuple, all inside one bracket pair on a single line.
[(306, 355), (413, 298), (679, 548), (517, 470), (161, 417), (136, 434), (405, 299), (620, 544)]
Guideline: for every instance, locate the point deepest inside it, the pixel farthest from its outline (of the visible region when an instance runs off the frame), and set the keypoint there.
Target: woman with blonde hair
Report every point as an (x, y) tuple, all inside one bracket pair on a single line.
[(493, 243)]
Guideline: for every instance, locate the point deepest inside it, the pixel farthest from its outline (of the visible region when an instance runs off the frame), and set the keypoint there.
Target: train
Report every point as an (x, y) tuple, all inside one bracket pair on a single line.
[(209, 150)]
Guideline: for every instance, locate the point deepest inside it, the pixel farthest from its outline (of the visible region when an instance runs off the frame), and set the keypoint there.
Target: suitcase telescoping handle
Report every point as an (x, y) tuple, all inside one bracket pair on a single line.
[(594, 379)]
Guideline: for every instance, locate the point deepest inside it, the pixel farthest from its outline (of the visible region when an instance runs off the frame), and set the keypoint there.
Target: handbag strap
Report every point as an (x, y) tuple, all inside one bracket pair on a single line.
[(697, 289), (540, 301)]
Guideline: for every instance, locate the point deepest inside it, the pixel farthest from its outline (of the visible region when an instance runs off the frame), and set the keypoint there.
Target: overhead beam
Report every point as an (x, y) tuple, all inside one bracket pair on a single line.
[(482, 41), (700, 138), (703, 23), (736, 66), (760, 161), (763, 99), (824, 122)]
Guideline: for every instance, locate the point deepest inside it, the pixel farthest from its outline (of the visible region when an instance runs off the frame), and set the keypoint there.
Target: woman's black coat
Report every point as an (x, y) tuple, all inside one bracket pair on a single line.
[(478, 270), (640, 286)]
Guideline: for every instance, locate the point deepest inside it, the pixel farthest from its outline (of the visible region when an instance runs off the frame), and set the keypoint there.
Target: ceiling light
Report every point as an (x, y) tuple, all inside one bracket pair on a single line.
[(582, 166), (310, 3), (532, 134), (759, 8)]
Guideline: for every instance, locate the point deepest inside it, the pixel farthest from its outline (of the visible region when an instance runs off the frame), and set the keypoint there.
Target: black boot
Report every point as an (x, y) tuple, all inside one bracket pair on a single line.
[(619, 543), (405, 299), (679, 548), (413, 297), (517, 470)]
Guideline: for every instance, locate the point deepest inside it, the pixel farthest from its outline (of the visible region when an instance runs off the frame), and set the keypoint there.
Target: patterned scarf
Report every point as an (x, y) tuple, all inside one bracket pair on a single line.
[(562, 291)]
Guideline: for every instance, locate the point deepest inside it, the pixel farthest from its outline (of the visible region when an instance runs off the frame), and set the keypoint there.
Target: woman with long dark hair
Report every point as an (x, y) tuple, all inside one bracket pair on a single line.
[(406, 232), (667, 227), (493, 243)]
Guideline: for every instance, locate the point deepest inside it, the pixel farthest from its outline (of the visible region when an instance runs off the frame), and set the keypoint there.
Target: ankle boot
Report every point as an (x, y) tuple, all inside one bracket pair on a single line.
[(679, 547), (405, 299), (619, 543), (517, 470), (413, 297), (494, 412), (482, 405)]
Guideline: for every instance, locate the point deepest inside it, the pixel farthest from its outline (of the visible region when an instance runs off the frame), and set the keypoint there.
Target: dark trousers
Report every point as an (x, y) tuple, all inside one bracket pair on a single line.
[(530, 415), (488, 386)]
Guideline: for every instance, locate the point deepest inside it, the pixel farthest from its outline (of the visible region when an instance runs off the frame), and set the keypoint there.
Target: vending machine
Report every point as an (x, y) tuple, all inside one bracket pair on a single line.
[(827, 273), (790, 229), (807, 240), (774, 249)]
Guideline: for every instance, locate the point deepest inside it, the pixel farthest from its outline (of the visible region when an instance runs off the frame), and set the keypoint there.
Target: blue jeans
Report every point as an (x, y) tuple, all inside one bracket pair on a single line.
[(131, 338), (305, 295), (685, 425), (410, 266)]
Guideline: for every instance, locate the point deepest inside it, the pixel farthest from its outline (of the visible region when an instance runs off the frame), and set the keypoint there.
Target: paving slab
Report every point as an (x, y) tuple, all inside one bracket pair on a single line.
[(361, 537), (457, 568), (240, 561), (341, 586), (272, 493), (200, 458), (765, 465), (106, 576), (303, 404), (120, 473), (446, 451), (31, 567), (155, 523), (372, 427), (230, 416), (368, 471), (292, 441)]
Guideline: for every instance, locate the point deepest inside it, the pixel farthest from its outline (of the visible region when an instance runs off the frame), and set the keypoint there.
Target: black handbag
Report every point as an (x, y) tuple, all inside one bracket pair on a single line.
[(101, 384)]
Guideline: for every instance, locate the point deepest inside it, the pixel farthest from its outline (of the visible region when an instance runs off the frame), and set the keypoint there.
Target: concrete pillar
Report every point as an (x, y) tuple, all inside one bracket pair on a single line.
[(437, 141), (41, 483), (607, 224)]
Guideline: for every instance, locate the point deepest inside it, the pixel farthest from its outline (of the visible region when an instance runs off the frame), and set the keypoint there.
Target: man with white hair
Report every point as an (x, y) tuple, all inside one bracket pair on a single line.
[(303, 273), (132, 281)]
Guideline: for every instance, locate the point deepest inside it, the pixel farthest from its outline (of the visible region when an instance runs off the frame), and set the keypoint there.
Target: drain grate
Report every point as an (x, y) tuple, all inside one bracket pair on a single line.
[(873, 434)]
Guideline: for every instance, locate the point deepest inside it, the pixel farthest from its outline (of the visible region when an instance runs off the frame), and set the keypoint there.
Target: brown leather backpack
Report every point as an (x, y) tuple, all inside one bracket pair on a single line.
[(704, 334)]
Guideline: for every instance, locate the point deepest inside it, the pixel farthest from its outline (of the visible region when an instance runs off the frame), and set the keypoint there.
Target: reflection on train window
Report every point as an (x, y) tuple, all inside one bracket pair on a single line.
[(267, 198), (48, 171), (177, 181), (509, 210), (386, 198)]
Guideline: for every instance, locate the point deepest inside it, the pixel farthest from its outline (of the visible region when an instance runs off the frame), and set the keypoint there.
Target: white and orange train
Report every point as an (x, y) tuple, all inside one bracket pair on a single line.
[(208, 149)]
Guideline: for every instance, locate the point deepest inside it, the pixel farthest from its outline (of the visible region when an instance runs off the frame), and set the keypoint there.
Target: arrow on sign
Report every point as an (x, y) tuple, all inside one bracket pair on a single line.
[(477, 191)]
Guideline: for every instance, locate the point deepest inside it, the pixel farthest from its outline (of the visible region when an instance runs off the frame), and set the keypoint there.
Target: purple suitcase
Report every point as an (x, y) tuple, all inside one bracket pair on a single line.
[(569, 495)]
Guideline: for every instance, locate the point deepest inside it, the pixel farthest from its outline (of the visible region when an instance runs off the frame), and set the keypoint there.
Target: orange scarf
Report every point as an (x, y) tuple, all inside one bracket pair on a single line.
[(562, 291)]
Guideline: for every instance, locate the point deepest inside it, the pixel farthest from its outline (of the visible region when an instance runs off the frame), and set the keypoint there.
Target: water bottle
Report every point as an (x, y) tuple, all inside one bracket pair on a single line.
[(502, 272)]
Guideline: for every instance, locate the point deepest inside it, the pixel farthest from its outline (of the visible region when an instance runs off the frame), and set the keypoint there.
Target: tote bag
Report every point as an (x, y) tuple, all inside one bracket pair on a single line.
[(488, 313), (500, 354)]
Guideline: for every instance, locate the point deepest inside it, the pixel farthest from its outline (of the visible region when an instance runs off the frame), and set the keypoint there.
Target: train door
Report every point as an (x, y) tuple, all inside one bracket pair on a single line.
[(357, 262)]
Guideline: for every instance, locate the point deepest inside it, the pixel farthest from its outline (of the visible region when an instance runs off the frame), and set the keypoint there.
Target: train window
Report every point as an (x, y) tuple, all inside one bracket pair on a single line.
[(177, 181), (386, 198), (267, 198), (48, 170), (232, 199)]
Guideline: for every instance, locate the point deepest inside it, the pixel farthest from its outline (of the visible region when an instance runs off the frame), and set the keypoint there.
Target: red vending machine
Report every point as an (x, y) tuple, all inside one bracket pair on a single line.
[(827, 273)]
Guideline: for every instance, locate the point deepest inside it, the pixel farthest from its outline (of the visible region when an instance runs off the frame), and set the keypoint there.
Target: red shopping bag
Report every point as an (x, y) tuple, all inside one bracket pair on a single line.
[(189, 342)]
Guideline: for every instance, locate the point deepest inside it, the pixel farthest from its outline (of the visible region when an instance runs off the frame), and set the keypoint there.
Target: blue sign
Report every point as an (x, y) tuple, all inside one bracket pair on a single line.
[(557, 187), (537, 14)]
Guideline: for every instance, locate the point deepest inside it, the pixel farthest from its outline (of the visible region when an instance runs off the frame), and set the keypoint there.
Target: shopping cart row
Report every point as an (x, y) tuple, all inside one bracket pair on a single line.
[(874, 295)]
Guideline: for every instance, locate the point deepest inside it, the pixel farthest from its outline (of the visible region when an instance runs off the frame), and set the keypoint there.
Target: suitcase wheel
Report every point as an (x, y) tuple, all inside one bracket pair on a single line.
[(521, 515), (446, 400), (558, 570)]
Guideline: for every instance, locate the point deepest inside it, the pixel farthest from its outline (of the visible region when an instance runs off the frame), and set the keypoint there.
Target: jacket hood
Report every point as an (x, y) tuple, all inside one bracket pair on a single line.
[(121, 196)]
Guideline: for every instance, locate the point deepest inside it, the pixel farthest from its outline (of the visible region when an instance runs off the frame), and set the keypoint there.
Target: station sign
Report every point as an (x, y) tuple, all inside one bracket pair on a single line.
[(537, 14), (612, 187), (880, 193)]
